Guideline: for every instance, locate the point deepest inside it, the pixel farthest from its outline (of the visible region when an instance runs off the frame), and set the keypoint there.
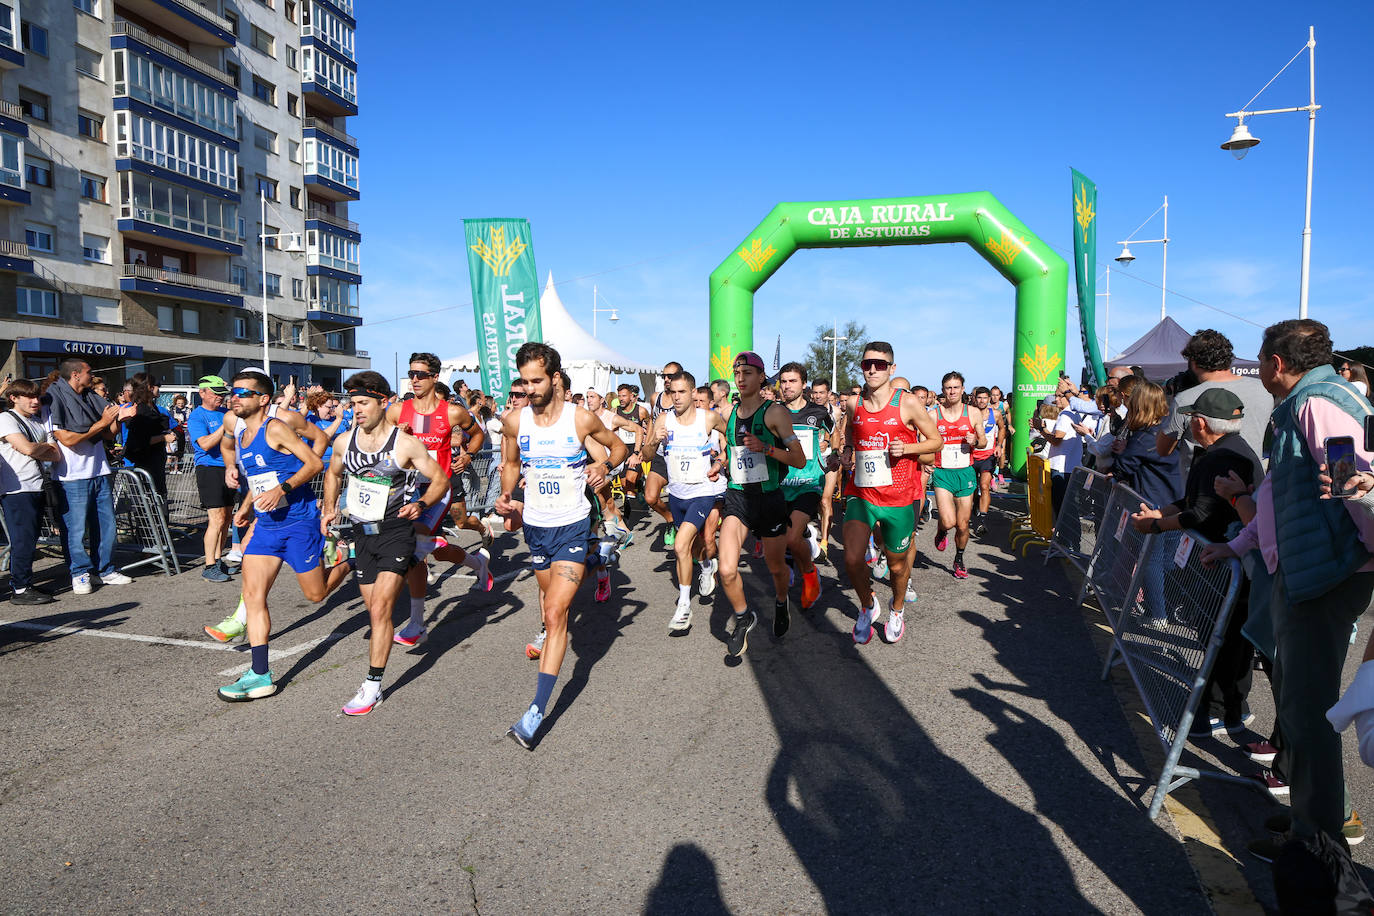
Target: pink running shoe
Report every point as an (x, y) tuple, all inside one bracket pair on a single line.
[(758, 550), (941, 539), (603, 585), (410, 640), (959, 571), (483, 572), (363, 702)]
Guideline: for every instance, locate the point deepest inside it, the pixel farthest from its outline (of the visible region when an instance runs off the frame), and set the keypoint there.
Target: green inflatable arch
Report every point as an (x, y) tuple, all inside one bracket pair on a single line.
[(980, 220)]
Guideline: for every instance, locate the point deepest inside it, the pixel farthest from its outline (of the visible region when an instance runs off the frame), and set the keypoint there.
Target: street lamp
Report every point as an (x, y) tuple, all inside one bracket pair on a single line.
[(292, 246), (595, 310), (834, 354), (1125, 258), (1241, 142)]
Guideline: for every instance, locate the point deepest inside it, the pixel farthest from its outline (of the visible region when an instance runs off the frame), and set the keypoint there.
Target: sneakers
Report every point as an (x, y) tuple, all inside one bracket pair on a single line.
[(365, 700), (811, 588), (522, 732), (1239, 726), (431, 574), (233, 557), (249, 686), (227, 630), (115, 578), (980, 530), (603, 585), (941, 539), (488, 533), (31, 596), (483, 571), (896, 625), (813, 541), (880, 568), (758, 550), (682, 618), (81, 585), (706, 582), (535, 649), (331, 550), (1205, 727), (782, 618), (863, 627), (1277, 788), (669, 537), (215, 573), (738, 640), (960, 570), (410, 640), (1262, 752)]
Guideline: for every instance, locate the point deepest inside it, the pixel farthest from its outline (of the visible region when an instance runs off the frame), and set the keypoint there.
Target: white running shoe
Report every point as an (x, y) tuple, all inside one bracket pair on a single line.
[(365, 700), (863, 627), (880, 568), (706, 582), (81, 585), (682, 617), (432, 575), (116, 578), (813, 539), (233, 557), (896, 625), (910, 592)]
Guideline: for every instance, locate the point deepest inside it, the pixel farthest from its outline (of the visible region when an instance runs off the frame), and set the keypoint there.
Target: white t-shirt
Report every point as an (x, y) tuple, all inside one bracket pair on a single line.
[(84, 462), (496, 431), (1067, 453), (18, 472)]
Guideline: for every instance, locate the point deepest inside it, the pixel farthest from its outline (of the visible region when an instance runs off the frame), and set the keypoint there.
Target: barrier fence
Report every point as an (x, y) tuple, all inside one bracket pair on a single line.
[(1080, 518)]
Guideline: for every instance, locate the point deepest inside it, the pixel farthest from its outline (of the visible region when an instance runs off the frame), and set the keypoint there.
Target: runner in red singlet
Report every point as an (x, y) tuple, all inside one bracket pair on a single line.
[(953, 479)]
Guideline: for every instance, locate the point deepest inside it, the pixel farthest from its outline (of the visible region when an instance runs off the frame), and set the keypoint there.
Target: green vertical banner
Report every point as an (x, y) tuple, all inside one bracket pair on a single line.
[(505, 296), (1085, 269)]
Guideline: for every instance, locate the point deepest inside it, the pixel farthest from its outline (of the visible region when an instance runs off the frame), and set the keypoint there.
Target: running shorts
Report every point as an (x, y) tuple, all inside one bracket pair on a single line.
[(213, 493), (691, 511), (986, 465), (958, 482), (432, 519), (891, 525), (658, 466), (391, 549), (298, 544), (560, 544), (807, 502), (764, 513)]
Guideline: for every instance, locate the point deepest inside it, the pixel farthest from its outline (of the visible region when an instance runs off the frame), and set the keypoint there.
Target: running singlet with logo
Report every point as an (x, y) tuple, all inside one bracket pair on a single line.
[(956, 453), (554, 465), (264, 468), (434, 431), (376, 483), (628, 435), (811, 425), (752, 472), (990, 428), (688, 453), (878, 479)]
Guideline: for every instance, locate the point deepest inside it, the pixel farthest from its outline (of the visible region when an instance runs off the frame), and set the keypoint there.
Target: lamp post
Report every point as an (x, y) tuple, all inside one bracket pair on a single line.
[(1107, 318), (1242, 141), (834, 339), (1126, 257), (595, 310), (292, 246)]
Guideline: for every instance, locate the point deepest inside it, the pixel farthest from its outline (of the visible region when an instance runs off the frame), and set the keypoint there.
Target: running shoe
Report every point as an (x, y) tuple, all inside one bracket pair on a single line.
[(488, 532), (669, 537), (431, 574), (825, 546), (880, 568), (682, 618), (331, 550), (1238, 726), (980, 530), (706, 583), (910, 592), (758, 550), (871, 555), (739, 636), (233, 557), (863, 627), (535, 649), (782, 618), (896, 625), (227, 630), (483, 571), (1262, 752), (249, 686), (813, 540), (412, 639), (811, 588), (115, 578), (364, 701), (960, 571), (603, 585), (522, 732), (791, 577), (941, 539)]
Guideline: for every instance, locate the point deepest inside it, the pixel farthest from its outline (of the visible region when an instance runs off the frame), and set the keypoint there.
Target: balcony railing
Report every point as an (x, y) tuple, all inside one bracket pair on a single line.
[(324, 216), (322, 125), (11, 249), (348, 311), (362, 354), (11, 110), (121, 27), (177, 278), (205, 13)]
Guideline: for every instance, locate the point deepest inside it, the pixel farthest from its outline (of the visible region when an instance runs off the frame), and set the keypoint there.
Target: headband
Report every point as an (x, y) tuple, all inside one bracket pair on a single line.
[(367, 393)]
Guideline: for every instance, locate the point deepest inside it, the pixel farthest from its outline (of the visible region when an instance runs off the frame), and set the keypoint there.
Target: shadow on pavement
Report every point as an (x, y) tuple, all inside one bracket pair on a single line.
[(687, 885), (13, 638)]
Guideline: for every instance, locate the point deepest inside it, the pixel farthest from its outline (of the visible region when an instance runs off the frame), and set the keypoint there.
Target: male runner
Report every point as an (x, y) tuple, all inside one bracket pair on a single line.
[(610, 513), (658, 470), (544, 442), (278, 469), (883, 428), (761, 442), (918, 496), (379, 459), (630, 409), (440, 426), (985, 459), (694, 481), (953, 479), (720, 395), (706, 575), (822, 396), (803, 487)]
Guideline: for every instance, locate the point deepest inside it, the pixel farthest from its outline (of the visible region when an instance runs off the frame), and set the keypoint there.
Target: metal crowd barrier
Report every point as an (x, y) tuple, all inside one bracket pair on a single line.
[(1037, 527), (1079, 522), (478, 480), (1114, 569), (141, 521), (183, 498)]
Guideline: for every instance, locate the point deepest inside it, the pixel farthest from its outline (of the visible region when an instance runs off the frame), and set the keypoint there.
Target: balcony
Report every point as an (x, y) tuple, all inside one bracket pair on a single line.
[(152, 42), (317, 213), (12, 189), (331, 169), (326, 128), (333, 313), (185, 19), (15, 257), (172, 284), (329, 81)]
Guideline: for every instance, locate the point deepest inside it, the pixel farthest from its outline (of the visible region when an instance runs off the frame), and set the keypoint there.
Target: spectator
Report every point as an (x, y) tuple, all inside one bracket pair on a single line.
[(1097, 431), (180, 413), (98, 386), (1321, 552), (322, 409), (1116, 374), (205, 429), (1066, 446), (24, 448), (1355, 373), (1136, 462), (82, 422), (147, 434), (1210, 356)]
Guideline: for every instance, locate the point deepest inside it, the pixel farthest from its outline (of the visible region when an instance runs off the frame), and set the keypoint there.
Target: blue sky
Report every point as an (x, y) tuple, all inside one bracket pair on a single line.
[(643, 141)]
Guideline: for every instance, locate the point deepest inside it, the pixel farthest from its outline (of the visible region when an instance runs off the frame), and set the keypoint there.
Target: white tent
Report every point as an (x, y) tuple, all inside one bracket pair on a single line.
[(588, 361)]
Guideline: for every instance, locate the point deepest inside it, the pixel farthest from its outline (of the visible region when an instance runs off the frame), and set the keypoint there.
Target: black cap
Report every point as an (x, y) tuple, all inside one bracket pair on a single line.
[(1217, 403)]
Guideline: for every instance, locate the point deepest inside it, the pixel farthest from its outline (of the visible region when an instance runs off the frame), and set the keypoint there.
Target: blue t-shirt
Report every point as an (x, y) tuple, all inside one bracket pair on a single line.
[(204, 421)]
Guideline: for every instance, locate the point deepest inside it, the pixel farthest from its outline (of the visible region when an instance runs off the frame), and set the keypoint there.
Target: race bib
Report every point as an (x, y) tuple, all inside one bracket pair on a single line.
[(554, 489), (367, 498), (954, 456), (261, 483), (688, 467), (747, 466), (626, 435), (806, 435), (871, 469)]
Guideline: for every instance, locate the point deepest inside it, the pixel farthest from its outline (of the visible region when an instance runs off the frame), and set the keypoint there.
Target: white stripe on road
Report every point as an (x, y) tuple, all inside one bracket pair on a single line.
[(274, 654), (109, 634)]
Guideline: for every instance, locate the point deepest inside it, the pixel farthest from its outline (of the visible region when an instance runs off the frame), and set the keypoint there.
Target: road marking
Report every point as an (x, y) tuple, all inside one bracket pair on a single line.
[(275, 654), (110, 634)]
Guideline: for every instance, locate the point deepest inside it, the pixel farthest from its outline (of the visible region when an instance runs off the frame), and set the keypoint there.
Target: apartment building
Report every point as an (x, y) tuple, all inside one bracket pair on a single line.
[(167, 169)]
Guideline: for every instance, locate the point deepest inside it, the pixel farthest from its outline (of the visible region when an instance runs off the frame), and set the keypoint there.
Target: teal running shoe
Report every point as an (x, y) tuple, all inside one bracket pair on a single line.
[(249, 686)]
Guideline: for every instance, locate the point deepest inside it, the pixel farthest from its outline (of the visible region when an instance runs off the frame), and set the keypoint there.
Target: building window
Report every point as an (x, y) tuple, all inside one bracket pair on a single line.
[(181, 373), (35, 38), (33, 105), (11, 161), (38, 237), (143, 138), (267, 187), (297, 288), (264, 91), (240, 327), (39, 172), (90, 125), (89, 62), (330, 73), (293, 105), (274, 284), (290, 10), (92, 187), (271, 235), (243, 228), (7, 26), (293, 151), (166, 318), (334, 340), (264, 42), (153, 200), (39, 303), (163, 86), (90, 7), (99, 310), (296, 335), (95, 248), (190, 321), (331, 162), (291, 58), (265, 139), (296, 198), (238, 275), (233, 19), (233, 70)]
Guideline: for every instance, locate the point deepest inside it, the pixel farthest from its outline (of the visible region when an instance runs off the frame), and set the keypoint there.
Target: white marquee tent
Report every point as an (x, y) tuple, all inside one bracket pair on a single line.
[(588, 361)]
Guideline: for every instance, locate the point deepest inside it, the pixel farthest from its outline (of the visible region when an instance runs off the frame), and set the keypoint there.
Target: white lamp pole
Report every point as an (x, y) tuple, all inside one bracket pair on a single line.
[(1126, 257), (1242, 141), (292, 246), (595, 311), (834, 339), (1107, 318)]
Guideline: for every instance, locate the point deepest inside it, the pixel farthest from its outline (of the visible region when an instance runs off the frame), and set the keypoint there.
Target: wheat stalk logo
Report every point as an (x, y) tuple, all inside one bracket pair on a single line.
[(1043, 364), (1083, 211), (499, 255), (757, 256), (723, 363), (1007, 248)]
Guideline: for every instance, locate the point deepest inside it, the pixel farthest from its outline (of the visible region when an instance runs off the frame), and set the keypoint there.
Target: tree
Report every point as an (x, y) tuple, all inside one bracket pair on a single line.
[(818, 355)]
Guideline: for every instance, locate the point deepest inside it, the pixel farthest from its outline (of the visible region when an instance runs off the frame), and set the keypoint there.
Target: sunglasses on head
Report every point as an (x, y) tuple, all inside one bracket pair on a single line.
[(874, 365), (245, 393), (416, 373)]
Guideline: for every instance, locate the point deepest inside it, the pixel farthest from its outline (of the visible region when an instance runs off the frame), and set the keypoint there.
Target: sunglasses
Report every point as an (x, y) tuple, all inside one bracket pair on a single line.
[(416, 373), (874, 365), (245, 393), (518, 394)]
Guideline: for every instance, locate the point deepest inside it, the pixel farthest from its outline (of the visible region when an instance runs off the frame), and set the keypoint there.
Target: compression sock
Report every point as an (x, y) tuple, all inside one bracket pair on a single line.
[(543, 690), (417, 614), (259, 659), (374, 678), (241, 612), (684, 593), (958, 555)]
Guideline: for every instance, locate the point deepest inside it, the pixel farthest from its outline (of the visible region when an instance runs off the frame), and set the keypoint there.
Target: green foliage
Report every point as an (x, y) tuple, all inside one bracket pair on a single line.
[(818, 355)]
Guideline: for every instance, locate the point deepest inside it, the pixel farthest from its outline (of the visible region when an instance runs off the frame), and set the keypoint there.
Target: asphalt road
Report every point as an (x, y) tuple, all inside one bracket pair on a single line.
[(977, 765)]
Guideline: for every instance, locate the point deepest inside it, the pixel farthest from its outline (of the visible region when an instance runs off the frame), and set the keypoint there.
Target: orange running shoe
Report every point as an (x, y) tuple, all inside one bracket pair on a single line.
[(811, 588)]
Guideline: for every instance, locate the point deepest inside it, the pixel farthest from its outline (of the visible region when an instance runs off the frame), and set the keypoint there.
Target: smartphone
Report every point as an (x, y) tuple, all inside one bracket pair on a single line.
[(1340, 464)]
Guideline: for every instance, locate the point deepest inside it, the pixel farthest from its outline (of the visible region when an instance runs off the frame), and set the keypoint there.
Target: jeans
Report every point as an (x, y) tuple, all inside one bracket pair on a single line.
[(84, 497), (23, 516)]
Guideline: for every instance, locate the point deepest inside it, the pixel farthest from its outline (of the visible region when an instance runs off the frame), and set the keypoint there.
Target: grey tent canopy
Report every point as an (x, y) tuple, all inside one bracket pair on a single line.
[(1159, 351)]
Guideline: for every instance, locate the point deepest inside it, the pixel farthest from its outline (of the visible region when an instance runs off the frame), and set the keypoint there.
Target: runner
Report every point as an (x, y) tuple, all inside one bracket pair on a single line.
[(278, 471), (822, 396), (720, 396), (613, 421), (658, 469), (804, 487), (631, 410), (761, 443), (985, 459), (880, 455), (378, 458), (961, 430), (900, 383), (544, 442), (695, 483)]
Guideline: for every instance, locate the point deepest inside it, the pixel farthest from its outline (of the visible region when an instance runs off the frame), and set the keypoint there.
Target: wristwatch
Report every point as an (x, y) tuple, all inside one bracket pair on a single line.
[(285, 487)]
